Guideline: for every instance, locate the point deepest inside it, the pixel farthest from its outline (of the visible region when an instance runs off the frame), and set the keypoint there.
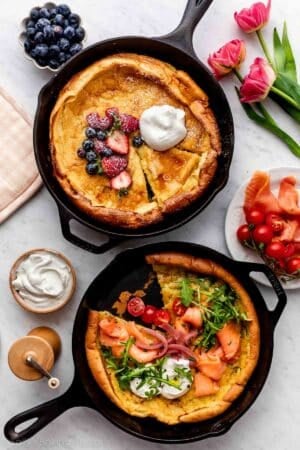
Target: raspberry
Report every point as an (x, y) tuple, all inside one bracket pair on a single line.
[(98, 146), (101, 123), (113, 165), (129, 123), (112, 112)]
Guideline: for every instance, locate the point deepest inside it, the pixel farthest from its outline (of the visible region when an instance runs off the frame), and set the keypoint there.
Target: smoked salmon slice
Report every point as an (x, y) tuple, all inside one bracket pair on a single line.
[(258, 194), (140, 355), (288, 196), (230, 338), (193, 316), (204, 385), (211, 364), (114, 329)]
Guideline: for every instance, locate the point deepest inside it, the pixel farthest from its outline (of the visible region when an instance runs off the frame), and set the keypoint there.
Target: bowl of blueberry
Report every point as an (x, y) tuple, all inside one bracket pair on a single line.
[(51, 35)]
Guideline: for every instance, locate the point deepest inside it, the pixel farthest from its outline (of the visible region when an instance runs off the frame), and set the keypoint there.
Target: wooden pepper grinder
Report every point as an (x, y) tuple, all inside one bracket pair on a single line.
[(32, 357)]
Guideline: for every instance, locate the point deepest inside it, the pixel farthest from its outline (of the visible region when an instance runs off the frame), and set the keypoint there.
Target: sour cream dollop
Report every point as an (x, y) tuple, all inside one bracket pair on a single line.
[(43, 279), (163, 126), (181, 378)]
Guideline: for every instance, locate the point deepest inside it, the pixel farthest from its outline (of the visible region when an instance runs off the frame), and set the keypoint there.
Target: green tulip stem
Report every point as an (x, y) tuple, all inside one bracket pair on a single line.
[(264, 46), (286, 97), (238, 75)]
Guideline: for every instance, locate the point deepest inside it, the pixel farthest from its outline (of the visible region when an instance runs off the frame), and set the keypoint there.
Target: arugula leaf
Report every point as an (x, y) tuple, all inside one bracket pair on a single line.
[(290, 64), (186, 293)]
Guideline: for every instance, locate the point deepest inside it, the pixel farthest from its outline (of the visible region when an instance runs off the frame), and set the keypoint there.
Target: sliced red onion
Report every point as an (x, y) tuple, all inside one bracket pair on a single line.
[(177, 335), (144, 346), (181, 349), (189, 336)]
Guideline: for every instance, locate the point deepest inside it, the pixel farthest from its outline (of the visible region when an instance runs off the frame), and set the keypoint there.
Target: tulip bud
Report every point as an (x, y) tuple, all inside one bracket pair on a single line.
[(227, 58), (257, 84), (253, 18)]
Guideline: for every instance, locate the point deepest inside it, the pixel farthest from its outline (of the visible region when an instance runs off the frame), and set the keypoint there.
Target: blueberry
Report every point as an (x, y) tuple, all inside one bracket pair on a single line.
[(66, 23), (44, 12), (81, 153), (106, 152), (35, 14), (48, 33), (64, 44), (75, 48), (90, 132), (62, 57), (30, 32), (137, 141), (38, 37), (54, 50), (88, 145), (69, 32), (27, 46), (101, 135), (68, 55), (64, 10), (59, 20), (33, 53), (41, 50), (30, 23), (79, 34), (92, 168), (91, 156), (54, 63), (41, 62), (74, 19), (52, 12), (41, 23), (58, 31)]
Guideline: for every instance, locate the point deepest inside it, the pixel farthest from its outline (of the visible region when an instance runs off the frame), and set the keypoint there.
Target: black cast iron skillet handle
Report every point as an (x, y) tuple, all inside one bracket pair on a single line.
[(65, 219), (279, 291), (45, 413), (182, 36)]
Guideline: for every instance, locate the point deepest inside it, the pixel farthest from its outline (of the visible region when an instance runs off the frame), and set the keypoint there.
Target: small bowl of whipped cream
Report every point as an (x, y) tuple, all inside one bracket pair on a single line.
[(42, 280)]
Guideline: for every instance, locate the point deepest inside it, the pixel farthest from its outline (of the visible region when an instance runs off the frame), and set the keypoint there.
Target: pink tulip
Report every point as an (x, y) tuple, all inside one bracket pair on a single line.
[(227, 58), (253, 18), (257, 84)]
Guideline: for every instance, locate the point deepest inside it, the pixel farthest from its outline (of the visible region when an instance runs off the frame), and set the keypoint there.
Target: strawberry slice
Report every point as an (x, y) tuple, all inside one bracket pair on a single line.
[(121, 181), (118, 142)]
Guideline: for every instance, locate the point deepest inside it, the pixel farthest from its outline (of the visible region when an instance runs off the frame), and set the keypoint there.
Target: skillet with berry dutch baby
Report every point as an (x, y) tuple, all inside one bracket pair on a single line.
[(175, 49), (131, 271)]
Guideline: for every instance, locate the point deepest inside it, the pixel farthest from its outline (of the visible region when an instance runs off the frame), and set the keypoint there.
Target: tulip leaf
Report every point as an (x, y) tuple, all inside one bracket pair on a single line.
[(289, 109), (289, 86), (290, 65), (279, 54)]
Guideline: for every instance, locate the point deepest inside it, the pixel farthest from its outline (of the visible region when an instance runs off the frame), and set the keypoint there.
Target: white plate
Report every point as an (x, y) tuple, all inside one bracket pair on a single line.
[(235, 217)]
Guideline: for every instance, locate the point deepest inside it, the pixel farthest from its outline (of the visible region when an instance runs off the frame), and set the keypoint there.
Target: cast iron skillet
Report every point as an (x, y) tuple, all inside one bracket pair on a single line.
[(128, 271), (175, 48)]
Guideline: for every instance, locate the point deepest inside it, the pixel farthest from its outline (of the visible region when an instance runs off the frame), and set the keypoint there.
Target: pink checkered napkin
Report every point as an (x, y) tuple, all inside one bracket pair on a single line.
[(19, 177)]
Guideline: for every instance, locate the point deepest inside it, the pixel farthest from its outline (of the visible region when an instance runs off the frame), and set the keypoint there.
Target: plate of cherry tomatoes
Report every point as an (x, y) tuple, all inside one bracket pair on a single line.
[(256, 236)]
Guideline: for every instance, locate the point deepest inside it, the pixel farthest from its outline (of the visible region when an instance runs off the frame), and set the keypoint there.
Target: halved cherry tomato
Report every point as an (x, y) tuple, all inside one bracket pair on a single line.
[(255, 217), (178, 308), (262, 234), (136, 306), (243, 233), (161, 316), (289, 250), (275, 221), (149, 314), (275, 250), (293, 265)]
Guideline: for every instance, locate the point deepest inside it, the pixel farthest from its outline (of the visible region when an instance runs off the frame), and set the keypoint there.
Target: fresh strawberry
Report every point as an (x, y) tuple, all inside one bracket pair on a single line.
[(113, 165), (112, 112), (129, 123), (122, 181), (118, 142), (95, 121)]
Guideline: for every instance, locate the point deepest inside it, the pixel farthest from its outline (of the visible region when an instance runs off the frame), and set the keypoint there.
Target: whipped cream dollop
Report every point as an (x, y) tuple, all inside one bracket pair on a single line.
[(162, 126), (43, 279)]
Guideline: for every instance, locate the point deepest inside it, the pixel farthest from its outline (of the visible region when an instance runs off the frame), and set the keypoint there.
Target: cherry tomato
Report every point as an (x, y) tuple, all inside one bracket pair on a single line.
[(243, 233), (276, 222), (293, 265), (149, 314), (275, 250), (178, 308), (136, 306), (289, 250), (255, 217), (161, 316), (262, 234)]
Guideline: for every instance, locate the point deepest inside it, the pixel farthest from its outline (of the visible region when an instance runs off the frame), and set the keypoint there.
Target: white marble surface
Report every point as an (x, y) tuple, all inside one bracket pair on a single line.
[(273, 422)]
